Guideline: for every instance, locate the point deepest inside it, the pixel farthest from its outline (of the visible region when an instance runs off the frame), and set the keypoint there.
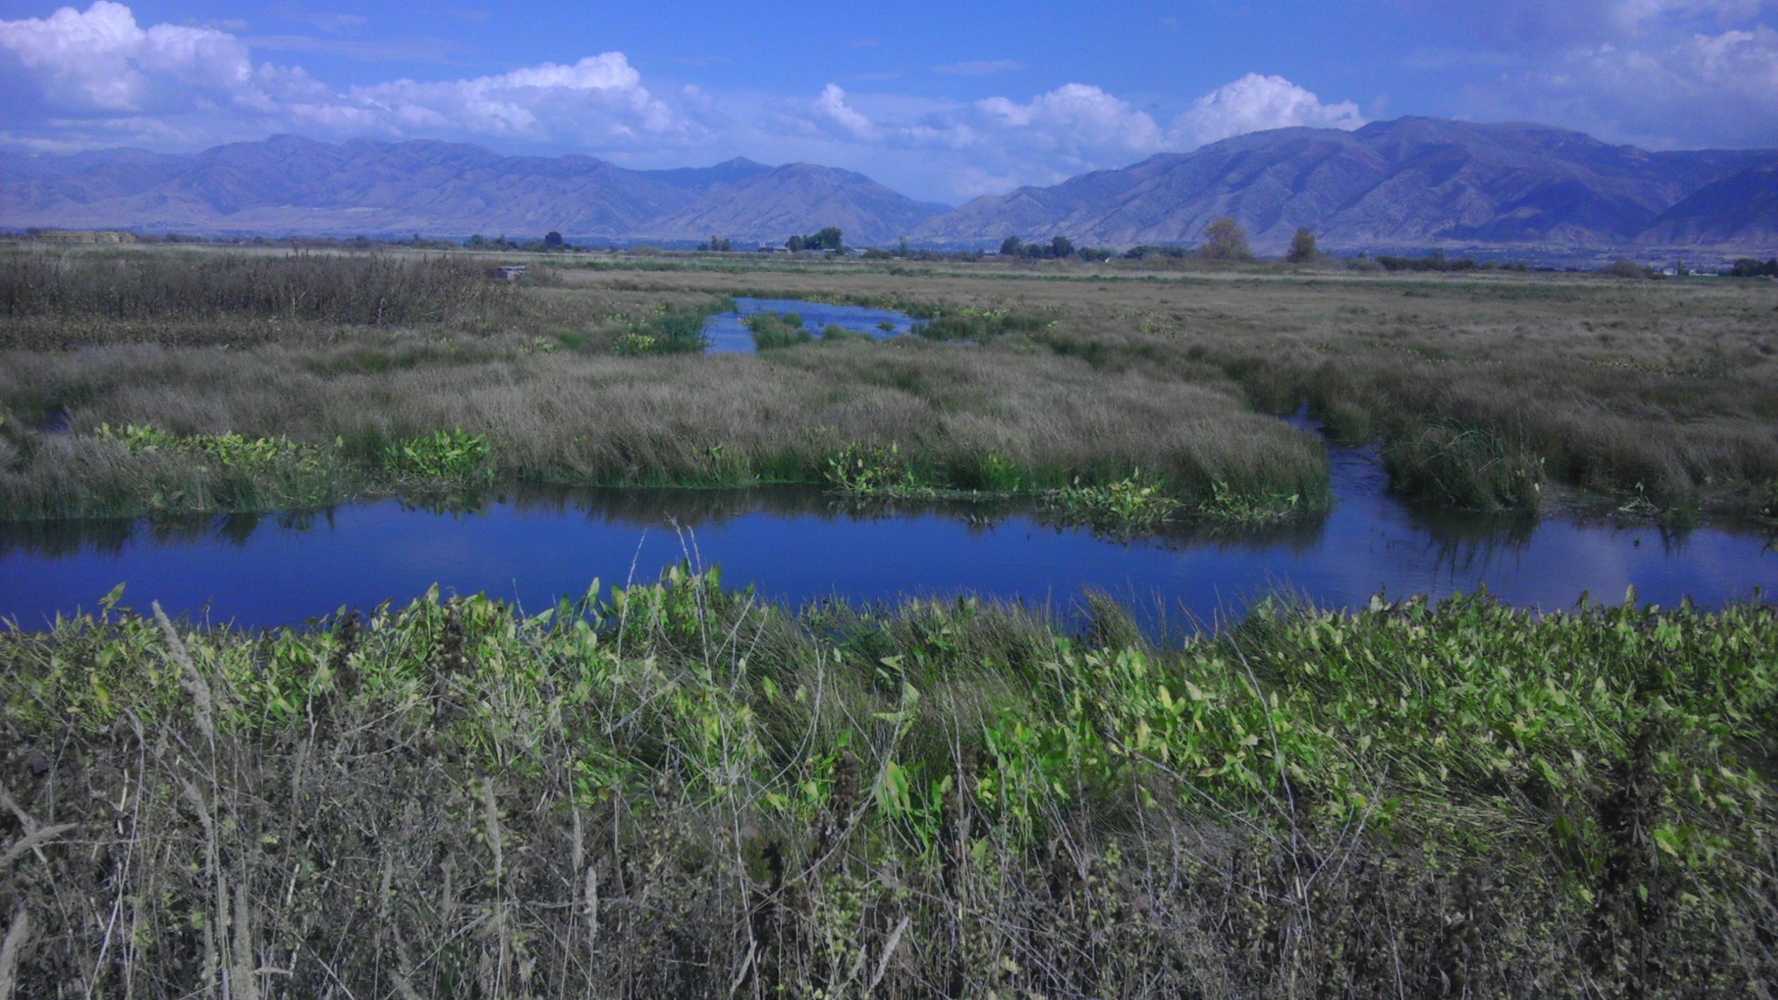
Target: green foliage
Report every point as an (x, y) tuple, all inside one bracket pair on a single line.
[(1317, 791), (828, 238), (453, 454), (772, 331), (876, 470), (1225, 504), (635, 344), (1134, 503), (250, 473), (669, 330)]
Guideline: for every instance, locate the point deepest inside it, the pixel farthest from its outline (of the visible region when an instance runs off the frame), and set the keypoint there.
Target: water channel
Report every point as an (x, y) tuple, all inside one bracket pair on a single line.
[(799, 545)]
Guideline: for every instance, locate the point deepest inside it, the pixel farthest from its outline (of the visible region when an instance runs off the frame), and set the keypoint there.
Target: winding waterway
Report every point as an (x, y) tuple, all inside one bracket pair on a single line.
[(728, 331), (801, 545)]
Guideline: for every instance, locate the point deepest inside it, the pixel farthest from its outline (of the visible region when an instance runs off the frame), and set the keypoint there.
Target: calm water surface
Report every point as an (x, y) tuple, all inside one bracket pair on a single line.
[(802, 545), (728, 331)]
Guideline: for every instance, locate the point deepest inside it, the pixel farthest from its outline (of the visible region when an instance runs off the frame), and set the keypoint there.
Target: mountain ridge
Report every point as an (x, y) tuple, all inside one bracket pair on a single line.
[(1406, 181)]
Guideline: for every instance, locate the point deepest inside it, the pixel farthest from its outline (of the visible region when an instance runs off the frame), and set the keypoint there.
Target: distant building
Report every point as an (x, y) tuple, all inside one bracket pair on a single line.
[(508, 272)]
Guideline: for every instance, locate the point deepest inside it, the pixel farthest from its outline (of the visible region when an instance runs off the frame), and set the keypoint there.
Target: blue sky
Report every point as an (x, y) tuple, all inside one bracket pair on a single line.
[(940, 100)]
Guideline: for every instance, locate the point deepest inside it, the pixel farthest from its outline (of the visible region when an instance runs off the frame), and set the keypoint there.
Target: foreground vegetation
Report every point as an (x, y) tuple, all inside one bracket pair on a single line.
[(671, 790), (1487, 390)]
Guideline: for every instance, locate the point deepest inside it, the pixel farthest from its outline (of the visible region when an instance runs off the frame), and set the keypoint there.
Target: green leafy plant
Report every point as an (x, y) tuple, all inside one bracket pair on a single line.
[(1136, 502), (880, 470), (453, 454), (1247, 508)]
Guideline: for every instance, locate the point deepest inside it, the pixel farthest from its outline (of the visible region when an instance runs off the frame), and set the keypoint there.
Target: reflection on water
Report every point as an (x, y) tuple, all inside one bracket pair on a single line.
[(728, 331), (801, 545)]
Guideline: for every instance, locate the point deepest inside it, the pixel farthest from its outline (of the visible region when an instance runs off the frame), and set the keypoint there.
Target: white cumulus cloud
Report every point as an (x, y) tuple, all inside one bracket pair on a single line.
[(599, 96), (832, 108), (100, 60), (1255, 103), (1076, 119), (133, 83)]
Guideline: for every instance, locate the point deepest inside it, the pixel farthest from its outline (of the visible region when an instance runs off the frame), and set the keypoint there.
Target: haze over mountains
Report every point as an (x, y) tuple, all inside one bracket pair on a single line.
[(1408, 182)]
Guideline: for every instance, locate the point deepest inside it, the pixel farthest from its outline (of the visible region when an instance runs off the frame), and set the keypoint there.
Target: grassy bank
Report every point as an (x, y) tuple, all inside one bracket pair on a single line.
[(1485, 390), (672, 790)]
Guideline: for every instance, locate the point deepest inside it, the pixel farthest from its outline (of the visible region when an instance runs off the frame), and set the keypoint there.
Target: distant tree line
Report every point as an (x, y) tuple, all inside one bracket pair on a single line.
[(1434, 261), (716, 244), (1058, 248), (825, 239), (1224, 239), (1748, 267), (552, 242)]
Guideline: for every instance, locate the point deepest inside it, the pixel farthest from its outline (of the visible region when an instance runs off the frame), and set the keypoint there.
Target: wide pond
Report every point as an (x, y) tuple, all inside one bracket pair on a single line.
[(804, 545), (728, 331)]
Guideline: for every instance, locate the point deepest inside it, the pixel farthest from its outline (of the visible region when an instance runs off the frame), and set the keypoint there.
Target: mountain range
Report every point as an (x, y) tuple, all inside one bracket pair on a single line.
[(1407, 182)]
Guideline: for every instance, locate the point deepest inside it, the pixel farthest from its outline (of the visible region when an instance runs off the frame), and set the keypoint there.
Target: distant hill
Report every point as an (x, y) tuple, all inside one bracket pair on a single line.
[(288, 184), (1404, 182), (1408, 182), (1740, 210), (798, 197)]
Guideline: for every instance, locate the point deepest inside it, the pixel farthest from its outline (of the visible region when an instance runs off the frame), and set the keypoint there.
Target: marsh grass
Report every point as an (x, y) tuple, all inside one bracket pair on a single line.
[(968, 420), (369, 289), (772, 331), (1481, 388), (1466, 467), (675, 789), (976, 324)]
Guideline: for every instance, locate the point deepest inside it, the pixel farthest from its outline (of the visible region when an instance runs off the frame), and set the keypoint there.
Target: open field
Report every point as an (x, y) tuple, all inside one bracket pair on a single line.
[(1489, 389), (675, 791)]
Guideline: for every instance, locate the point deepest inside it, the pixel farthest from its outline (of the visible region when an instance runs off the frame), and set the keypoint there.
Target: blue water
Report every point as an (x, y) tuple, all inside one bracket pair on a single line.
[(728, 331), (803, 545)]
